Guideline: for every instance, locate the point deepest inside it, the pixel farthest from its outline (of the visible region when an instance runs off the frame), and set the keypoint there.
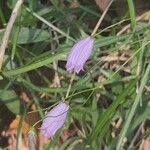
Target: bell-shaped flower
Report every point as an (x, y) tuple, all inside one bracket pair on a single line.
[(54, 119), (79, 54)]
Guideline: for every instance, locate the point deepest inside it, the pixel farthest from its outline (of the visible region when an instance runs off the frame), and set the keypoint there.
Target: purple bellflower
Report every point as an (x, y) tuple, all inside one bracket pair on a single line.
[(54, 119), (79, 54)]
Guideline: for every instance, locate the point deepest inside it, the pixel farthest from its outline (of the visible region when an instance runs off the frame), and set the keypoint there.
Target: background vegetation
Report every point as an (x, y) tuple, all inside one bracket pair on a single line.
[(109, 100)]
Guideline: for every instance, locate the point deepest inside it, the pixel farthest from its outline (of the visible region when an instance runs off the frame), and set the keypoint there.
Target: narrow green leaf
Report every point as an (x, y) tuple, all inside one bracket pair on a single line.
[(134, 106), (132, 13), (108, 114), (36, 63)]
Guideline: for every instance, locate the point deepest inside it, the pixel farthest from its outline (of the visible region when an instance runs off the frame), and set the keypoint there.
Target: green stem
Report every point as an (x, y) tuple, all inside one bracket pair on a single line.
[(69, 88), (132, 13)]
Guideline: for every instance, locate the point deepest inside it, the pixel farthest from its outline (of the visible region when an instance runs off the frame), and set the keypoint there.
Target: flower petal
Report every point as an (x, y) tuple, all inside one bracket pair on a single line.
[(54, 119), (80, 52)]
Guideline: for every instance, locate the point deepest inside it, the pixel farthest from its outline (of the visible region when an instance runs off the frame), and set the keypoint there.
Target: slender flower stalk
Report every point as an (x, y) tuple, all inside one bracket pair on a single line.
[(81, 51), (101, 18), (71, 81), (54, 119), (79, 54)]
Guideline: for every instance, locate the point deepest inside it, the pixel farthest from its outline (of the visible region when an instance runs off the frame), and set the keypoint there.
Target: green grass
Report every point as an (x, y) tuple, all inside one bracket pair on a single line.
[(114, 83)]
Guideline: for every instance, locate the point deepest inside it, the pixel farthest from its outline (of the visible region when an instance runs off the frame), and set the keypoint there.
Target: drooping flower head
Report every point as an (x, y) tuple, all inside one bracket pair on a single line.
[(54, 119), (79, 54)]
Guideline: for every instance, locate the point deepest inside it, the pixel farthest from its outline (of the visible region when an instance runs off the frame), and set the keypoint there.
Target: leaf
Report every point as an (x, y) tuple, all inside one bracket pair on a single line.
[(10, 99), (108, 114), (48, 57), (138, 97), (30, 35), (67, 143), (40, 61)]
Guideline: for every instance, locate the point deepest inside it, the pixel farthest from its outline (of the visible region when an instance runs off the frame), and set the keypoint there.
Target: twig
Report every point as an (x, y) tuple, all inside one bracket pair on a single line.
[(101, 18), (8, 30)]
